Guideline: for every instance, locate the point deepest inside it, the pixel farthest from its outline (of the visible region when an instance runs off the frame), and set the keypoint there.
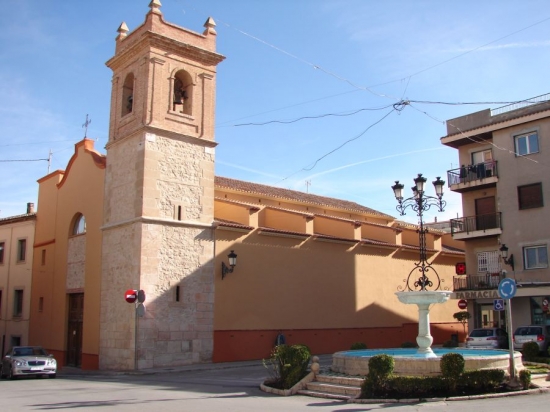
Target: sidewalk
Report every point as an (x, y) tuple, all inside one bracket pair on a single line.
[(72, 371), (325, 360)]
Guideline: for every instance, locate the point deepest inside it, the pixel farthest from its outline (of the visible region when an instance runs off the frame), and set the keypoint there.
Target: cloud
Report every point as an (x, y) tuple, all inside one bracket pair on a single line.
[(516, 45)]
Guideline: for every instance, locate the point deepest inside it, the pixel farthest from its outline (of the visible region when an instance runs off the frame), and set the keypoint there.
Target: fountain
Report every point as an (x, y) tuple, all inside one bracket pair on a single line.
[(424, 299), (424, 293)]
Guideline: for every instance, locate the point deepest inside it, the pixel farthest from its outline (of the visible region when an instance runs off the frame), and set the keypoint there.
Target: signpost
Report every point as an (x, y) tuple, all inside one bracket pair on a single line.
[(507, 289), (131, 296)]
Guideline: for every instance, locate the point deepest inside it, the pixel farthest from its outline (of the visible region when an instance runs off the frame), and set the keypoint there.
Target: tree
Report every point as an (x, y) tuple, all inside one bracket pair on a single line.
[(463, 318)]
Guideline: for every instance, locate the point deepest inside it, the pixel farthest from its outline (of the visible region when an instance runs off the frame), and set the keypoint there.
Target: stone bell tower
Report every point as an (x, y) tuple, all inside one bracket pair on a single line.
[(159, 197)]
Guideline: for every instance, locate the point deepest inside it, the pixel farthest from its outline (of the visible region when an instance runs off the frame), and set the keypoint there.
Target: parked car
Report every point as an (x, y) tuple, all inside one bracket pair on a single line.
[(532, 333), (487, 338), (28, 361)]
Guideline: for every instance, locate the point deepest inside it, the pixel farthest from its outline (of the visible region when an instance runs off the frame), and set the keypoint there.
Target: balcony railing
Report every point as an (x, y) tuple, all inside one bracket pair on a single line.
[(477, 282), (509, 107), (472, 173), (476, 223)]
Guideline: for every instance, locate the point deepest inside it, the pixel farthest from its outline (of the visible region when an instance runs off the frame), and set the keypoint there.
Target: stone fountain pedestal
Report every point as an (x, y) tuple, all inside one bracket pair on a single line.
[(424, 299)]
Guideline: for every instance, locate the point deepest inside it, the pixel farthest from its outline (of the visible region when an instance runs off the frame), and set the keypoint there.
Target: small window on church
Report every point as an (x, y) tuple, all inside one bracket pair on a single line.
[(128, 94), (183, 93), (79, 225)]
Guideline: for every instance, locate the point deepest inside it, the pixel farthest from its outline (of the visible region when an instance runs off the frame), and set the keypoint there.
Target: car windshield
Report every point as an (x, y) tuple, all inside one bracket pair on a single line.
[(529, 331), (30, 351), (481, 333)]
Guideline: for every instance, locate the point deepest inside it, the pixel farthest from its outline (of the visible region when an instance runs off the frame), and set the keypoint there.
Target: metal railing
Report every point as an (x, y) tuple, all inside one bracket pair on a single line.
[(518, 105), (476, 223), (471, 173), (477, 282)]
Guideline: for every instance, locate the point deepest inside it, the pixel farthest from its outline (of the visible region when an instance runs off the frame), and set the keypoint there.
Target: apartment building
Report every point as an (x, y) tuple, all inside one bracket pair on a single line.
[(504, 180), (16, 256)]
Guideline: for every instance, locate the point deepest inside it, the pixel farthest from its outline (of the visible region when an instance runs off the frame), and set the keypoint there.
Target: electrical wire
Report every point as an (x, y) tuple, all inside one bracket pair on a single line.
[(313, 117), (23, 160), (395, 107)]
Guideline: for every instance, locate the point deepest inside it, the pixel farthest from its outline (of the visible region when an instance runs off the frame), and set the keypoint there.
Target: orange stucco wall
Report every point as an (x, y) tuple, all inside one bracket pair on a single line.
[(238, 345), (61, 196)]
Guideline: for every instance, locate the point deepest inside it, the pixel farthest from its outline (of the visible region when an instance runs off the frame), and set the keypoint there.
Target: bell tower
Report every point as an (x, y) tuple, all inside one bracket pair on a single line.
[(159, 197)]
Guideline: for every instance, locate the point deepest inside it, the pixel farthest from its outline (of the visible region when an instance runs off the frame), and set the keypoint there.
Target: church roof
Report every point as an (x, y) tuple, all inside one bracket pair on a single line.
[(293, 195)]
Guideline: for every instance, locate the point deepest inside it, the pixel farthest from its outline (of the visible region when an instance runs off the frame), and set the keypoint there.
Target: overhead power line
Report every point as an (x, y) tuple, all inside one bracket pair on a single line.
[(24, 160)]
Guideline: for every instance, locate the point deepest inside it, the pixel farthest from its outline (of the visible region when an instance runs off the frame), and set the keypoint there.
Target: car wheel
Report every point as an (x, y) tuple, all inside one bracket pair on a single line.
[(52, 376), (11, 375)]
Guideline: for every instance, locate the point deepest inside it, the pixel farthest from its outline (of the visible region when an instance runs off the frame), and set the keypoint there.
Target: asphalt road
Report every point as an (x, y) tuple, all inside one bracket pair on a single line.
[(212, 390)]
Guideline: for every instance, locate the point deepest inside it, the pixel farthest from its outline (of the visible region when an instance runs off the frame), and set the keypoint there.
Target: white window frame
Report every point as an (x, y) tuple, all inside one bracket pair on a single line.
[(526, 136), (537, 264)]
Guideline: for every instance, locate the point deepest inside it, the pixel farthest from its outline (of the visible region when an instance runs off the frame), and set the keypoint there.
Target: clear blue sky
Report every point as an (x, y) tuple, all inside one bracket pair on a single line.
[(285, 60)]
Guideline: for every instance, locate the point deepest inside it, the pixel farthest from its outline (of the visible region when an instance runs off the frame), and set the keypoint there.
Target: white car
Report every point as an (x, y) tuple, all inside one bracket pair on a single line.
[(487, 338), (533, 333), (28, 361)]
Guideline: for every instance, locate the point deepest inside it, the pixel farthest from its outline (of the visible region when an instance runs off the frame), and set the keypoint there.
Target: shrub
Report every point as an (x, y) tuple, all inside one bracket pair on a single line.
[(381, 366), (358, 346), (287, 364), (380, 370), (421, 387), (452, 365), (525, 378), (487, 380), (402, 387), (408, 345), (530, 351), (450, 344)]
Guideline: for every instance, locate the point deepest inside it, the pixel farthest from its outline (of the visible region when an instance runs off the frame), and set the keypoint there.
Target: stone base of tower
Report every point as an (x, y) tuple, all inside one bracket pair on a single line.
[(175, 271)]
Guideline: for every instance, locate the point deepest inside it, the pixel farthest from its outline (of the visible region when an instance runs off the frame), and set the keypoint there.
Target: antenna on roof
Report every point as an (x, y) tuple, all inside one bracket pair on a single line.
[(308, 184)]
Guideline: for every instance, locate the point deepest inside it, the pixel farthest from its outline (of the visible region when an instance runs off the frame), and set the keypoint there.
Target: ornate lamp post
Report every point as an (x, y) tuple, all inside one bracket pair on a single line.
[(420, 202), (422, 291)]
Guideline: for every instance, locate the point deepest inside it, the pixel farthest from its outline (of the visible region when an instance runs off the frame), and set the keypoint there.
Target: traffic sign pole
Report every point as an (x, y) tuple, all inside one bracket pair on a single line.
[(511, 340), (507, 289)]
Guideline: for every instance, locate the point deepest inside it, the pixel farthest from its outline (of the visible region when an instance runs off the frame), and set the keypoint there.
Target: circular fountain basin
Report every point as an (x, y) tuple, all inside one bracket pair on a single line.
[(411, 363)]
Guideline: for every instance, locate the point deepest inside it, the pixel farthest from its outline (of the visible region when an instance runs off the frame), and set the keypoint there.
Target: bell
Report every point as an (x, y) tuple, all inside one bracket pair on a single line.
[(177, 98)]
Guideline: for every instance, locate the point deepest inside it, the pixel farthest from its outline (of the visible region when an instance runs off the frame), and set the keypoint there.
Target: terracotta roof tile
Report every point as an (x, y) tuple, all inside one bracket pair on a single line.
[(229, 223), (17, 218), (282, 232), (294, 195), (378, 243)]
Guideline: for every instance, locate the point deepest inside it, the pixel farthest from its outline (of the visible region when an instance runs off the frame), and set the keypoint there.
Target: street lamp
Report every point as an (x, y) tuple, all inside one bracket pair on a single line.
[(420, 203), (504, 253), (232, 263)]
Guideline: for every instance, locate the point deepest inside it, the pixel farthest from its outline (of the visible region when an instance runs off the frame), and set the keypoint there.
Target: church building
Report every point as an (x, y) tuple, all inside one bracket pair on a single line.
[(219, 266)]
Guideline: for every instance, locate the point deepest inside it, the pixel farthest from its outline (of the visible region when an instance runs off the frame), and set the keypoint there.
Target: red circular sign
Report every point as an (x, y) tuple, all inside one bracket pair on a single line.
[(462, 304), (130, 295)]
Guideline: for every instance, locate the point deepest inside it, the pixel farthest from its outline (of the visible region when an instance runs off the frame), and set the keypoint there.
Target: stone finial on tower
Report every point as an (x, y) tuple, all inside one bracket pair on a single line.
[(122, 31), (155, 6), (210, 27)]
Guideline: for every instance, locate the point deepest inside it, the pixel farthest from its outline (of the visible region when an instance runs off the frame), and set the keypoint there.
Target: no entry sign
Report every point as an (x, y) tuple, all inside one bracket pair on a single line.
[(462, 304), (130, 295)]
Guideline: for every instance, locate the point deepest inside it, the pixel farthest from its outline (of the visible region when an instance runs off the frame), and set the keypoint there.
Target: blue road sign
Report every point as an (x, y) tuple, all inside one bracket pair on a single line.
[(498, 304), (507, 288)]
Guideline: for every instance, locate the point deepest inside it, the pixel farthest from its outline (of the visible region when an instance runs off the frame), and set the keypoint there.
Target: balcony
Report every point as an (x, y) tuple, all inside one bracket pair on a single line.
[(471, 177), (489, 281), (472, 227)]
